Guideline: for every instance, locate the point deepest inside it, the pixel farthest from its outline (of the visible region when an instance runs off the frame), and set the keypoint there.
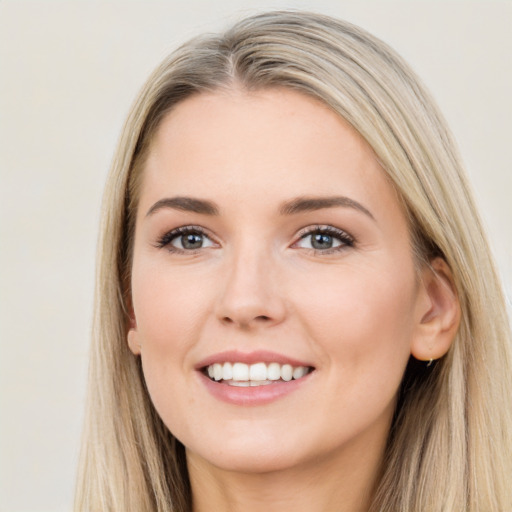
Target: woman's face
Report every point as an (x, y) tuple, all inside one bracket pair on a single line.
[(267, 233)]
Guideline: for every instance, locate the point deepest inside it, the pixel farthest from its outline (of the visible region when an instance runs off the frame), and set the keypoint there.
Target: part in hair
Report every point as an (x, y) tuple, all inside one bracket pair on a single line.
[(449, 447)]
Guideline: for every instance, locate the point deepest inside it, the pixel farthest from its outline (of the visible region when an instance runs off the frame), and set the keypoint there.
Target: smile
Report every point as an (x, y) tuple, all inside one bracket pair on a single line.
[(252, 375)]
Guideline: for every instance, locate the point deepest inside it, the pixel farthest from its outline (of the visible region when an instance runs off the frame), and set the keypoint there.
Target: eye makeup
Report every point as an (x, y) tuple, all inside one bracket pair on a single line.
[(324, 239), (185, 239), (321, 239)]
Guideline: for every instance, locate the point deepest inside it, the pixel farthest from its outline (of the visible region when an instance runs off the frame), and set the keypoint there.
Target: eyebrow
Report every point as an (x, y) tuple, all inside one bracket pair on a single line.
[(186, 204), (294, 206), (309, 204)]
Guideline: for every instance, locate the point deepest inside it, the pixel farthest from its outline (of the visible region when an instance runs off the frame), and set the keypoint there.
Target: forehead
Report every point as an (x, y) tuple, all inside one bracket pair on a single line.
[(239, 146)]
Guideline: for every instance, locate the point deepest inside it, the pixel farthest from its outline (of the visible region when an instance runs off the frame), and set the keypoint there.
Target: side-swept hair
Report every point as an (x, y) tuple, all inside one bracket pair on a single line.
[(449, 447)]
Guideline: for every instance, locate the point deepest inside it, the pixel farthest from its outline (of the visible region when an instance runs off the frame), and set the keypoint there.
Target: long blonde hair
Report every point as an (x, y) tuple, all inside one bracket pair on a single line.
[(450, 443)]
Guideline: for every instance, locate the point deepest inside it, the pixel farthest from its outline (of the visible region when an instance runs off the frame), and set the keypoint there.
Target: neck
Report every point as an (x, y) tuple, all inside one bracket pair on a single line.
[(334, 483)]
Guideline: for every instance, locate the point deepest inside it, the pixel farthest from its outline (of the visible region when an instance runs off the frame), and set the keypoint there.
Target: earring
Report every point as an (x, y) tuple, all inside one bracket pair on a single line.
[(430, 363)]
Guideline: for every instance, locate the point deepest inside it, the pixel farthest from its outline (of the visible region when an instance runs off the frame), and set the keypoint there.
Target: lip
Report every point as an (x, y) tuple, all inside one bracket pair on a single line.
[(251, 396), (257, 356)]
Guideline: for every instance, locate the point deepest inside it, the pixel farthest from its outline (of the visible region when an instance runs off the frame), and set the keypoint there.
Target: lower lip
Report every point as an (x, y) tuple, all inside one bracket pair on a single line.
[(255, 395)]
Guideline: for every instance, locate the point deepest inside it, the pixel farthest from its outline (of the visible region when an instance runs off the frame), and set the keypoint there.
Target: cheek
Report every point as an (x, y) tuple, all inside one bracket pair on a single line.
[(169, 312), (362, 320), (361, 326), (168, 306)]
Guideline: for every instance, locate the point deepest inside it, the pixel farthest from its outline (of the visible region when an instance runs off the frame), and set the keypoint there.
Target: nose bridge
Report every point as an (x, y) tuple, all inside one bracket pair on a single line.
[(251, 295)]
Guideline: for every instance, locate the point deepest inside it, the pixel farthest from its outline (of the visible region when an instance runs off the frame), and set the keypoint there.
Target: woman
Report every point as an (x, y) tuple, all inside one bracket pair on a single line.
[(296, 305)]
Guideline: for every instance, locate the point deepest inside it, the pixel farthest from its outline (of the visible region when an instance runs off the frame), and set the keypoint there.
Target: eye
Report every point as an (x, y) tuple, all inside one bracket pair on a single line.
[(185, 239), (324, 239)]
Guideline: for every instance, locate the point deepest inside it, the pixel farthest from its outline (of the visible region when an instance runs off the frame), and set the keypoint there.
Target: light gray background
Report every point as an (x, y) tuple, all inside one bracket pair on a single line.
[(68, 73)]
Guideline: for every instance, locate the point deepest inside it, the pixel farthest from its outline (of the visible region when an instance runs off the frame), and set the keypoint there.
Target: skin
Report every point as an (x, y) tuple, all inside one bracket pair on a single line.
[(356, 314)]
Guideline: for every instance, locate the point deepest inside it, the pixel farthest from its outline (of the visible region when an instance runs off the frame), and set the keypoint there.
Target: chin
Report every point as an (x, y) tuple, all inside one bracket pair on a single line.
[(247, 456)]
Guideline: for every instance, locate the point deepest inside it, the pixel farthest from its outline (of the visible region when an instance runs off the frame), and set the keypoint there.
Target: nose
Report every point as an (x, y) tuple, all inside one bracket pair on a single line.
[(251, 296)]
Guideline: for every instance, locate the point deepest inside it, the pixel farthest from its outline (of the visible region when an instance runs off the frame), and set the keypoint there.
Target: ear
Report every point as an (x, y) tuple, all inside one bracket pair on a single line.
[(133, 335), (438, 314)]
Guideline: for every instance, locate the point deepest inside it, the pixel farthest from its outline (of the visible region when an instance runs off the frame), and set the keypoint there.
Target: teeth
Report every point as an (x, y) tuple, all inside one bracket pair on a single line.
[(248, 383), (299, 372), (274, 371), (217, 371), (240, 384), (258, 371), (240, 371), (255, 383), (286, 372), (227, 371), (258, 374)]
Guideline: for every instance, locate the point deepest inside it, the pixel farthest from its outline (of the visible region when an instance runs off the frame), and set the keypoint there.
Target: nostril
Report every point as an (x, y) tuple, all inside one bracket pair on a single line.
[(246, 323)]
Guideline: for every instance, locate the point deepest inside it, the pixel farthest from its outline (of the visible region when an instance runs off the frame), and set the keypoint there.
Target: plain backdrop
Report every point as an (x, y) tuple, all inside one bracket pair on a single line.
[(68, 74)]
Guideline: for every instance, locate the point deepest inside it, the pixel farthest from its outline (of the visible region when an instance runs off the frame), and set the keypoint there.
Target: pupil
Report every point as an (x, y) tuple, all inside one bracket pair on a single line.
[(321, 241), (192, 241)]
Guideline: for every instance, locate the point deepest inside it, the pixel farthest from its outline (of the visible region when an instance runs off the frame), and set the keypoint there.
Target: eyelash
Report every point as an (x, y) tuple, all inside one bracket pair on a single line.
[(165, 240), (345, 239)]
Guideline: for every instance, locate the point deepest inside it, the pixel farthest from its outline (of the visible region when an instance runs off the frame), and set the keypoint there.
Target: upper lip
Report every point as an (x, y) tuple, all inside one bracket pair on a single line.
[(257, 356)]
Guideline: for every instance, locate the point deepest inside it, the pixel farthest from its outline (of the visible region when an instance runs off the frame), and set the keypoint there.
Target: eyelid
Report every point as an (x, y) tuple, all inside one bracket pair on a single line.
[(347, 240), (164, 241)]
